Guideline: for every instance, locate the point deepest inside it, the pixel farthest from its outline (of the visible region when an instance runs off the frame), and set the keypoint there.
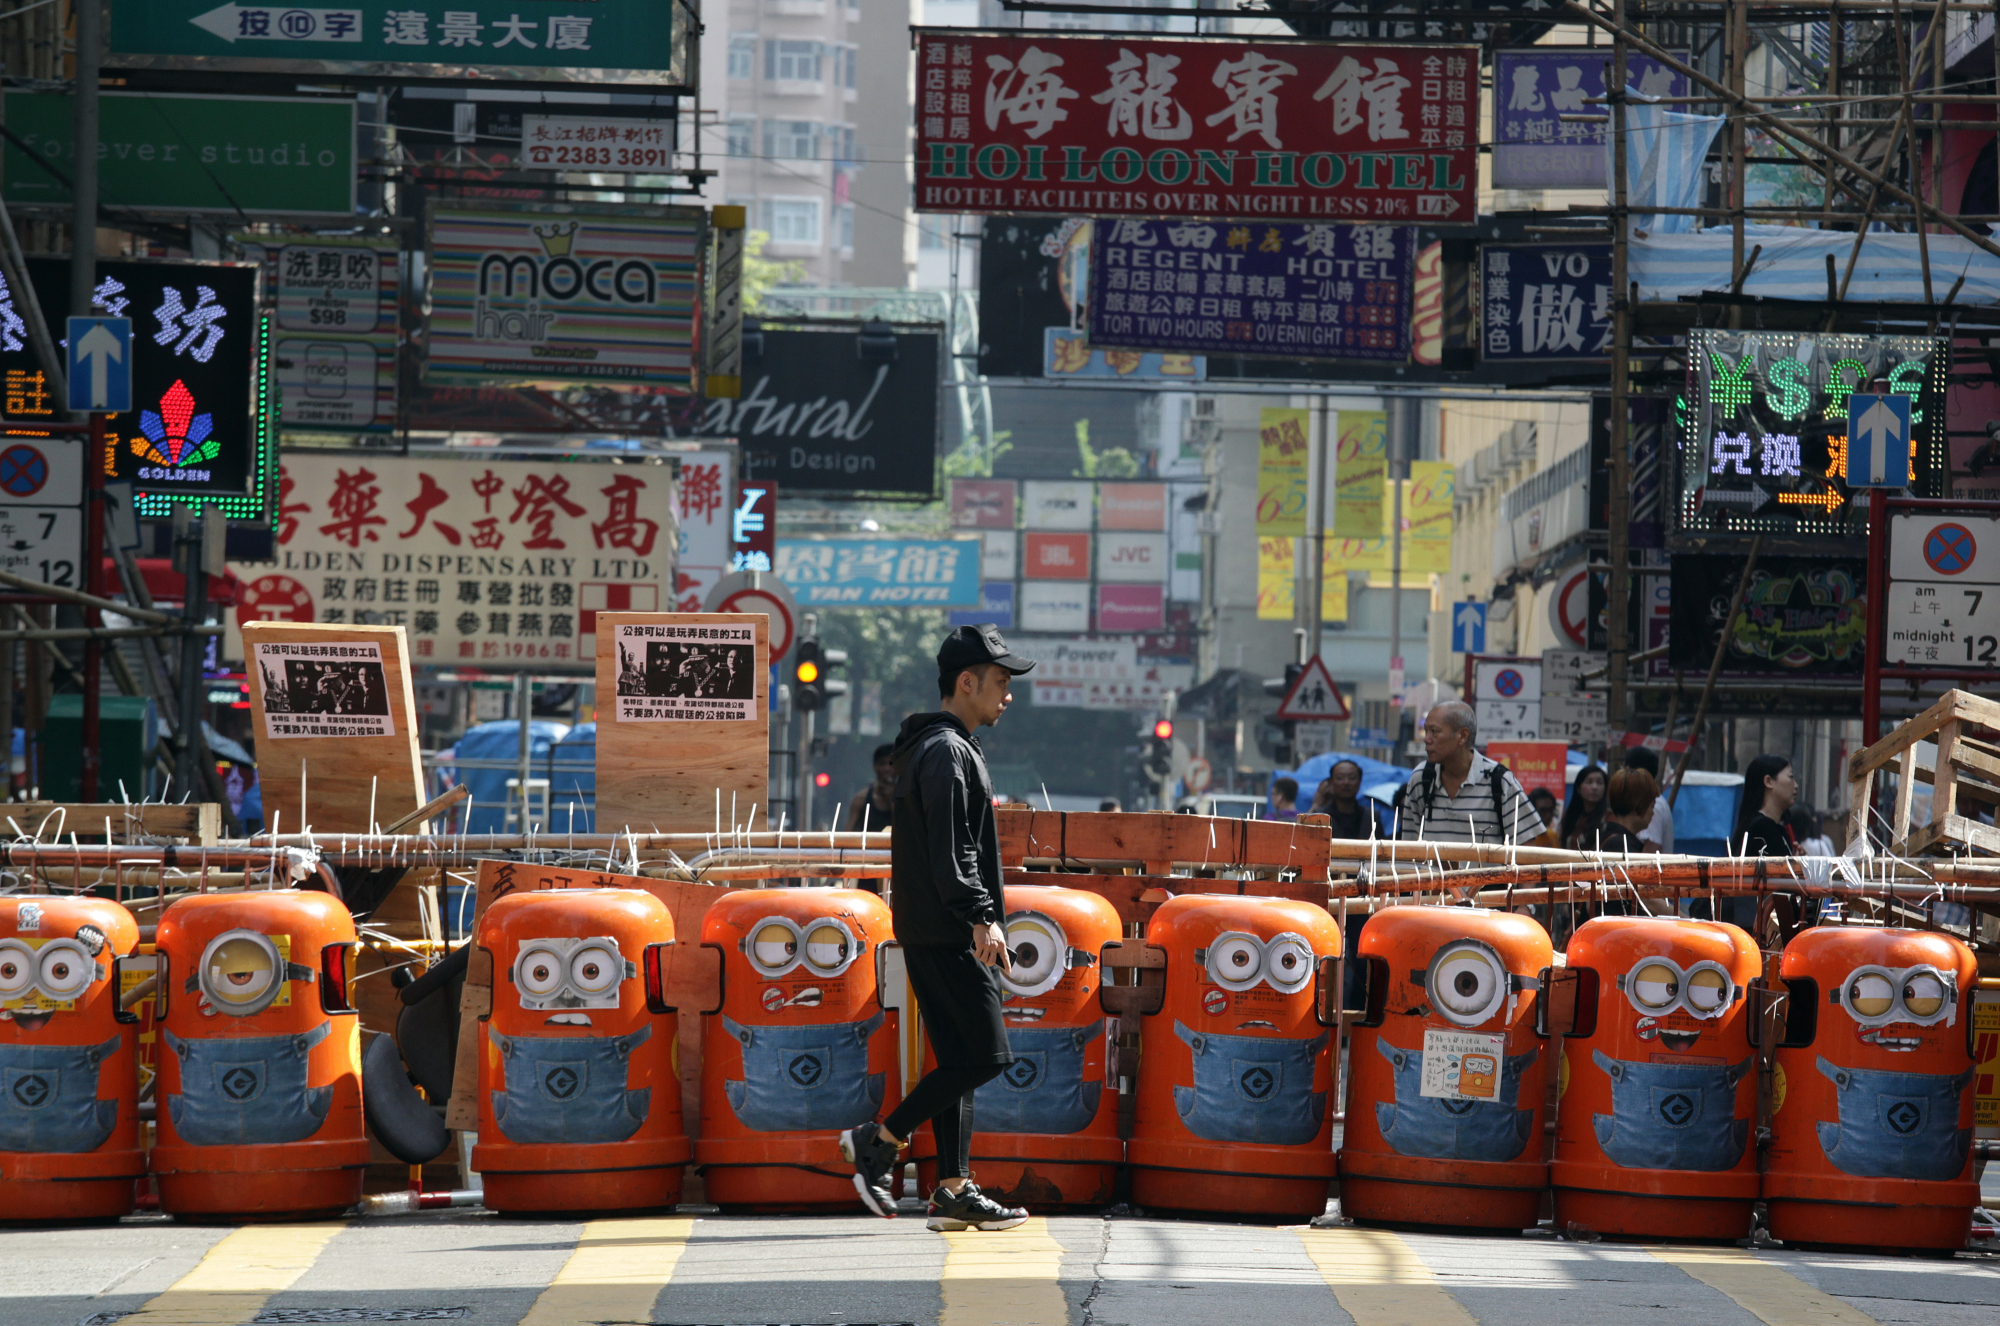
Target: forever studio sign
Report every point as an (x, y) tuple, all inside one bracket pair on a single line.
[(815, 415)]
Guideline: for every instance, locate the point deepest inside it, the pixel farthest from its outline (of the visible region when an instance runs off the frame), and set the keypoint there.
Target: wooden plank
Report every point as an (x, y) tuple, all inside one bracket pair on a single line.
[(1909, 732), (1956, 833), (1944, 775), (1127, 893), (196, 822), (1860, 796), (1195, 840), (1906, 789), (333, 702), (665, 775)]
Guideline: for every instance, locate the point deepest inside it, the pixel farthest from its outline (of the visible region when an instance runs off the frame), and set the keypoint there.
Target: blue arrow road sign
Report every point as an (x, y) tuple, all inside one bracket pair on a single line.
[(100, 365), (1468, 628), (1878, 441)]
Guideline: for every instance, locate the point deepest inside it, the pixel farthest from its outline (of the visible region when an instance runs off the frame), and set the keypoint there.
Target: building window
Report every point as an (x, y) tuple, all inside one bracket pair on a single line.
[(843, 148), (794, 220), (796, 140), (742, 136), (742, 54), (793, 61), (843, 225), (844, 60)]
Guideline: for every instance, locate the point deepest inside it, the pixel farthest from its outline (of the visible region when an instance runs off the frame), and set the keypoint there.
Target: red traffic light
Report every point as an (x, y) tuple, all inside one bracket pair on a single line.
[(1164, 729), (822, 780)]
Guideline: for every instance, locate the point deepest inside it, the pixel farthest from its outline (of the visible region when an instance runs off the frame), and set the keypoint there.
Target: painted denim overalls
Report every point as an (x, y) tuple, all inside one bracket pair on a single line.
[(1043, 1090), (1251, 1088), (804, 1077), (1441, 1129), (247, 1090), (1897, 1125), (48, 1098), (1671, 1116), (569, 1088)]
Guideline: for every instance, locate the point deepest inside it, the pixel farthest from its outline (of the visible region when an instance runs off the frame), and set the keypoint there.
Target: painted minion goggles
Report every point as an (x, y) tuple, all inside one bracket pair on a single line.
[(825, 946), (1877, 996), (1237, 961), (570, 973), (1039, 950), (1659, 986), (242, 973), (56, 970), (1467, 983)]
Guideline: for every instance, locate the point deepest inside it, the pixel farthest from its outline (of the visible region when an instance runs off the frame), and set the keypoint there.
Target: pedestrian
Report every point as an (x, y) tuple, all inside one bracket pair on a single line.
[(1583, 817), (1339, 799), (1629, 797), (949, 911), (1769, 790), (1284, 799), (1659, 832), (1108, 804), (1458, 795), (1809, 832), (1547, 807), (873, 807)]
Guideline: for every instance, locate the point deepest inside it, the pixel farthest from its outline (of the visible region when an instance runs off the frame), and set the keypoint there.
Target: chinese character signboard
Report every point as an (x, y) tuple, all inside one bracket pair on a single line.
[(1281, 471), (1178, 127), (1068, 354), (577, 142), (1766, 450), (335, 348), (889, 573), (1307, 290), (753, 526), (1533, 146), (707, 494), (495, 563), (1544, 301), (602, 41), (556, 293), (816, 416), (178, 153)]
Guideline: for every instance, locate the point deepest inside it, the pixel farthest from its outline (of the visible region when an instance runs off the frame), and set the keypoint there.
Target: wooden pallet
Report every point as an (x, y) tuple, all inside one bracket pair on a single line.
[(1955, 747)]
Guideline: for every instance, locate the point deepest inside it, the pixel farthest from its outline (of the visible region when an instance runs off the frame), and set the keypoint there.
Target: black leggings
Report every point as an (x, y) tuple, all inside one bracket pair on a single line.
[(944, 1097)]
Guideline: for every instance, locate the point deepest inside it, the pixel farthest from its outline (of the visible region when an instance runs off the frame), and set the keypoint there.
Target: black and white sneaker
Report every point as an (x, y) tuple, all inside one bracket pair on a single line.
[(969, 1208), (874, 1160)]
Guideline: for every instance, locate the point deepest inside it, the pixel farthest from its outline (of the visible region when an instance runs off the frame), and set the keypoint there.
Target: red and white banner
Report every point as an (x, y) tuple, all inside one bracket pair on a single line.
[(1195, 127)]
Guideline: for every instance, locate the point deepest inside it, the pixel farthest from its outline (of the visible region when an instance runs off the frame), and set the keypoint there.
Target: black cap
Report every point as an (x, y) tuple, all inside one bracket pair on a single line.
[(969, 646)]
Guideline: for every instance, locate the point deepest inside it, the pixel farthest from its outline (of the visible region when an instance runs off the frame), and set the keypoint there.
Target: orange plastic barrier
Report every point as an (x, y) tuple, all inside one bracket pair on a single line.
[(260, 1063), (579, 1100)]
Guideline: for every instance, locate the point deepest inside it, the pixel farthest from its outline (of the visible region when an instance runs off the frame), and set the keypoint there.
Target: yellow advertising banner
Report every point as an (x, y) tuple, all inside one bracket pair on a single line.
[(1281, 472), (1277, 587), (1360, 473), (1427, 503), (1986, 1060)]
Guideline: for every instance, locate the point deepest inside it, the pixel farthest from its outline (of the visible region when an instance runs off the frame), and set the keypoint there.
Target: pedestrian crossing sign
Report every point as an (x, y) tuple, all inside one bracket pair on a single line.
[(1313, 697)]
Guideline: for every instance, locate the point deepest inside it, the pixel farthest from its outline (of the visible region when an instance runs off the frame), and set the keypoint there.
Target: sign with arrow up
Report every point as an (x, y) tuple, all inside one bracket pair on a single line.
[(100, 365), (1878, 441), (1468, 627)]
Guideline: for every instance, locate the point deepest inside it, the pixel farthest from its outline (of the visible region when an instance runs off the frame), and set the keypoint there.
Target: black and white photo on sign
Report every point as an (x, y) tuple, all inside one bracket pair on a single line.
[(325, 690), (686, 672)]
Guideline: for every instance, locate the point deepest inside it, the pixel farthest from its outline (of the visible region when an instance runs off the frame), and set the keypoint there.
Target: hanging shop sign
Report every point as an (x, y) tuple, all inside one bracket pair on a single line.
[(1069, 354), (983, 503), (171, 152), (1181, 127), (1300, 290), (596, 142), (498, 563), (553, 293), (1534, 146), (1766, 450), (1802, 616), (890, 573), (602, 41), (706, 492), (336, 331), (1544, 301), (816, 415)]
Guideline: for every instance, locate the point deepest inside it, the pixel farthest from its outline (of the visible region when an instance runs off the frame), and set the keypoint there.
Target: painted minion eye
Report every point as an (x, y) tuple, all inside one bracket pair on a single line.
[(595, 969), (1466, 982), (17, 968), (829, 948), (66, 969), (1708, 991), (1036, 948), (240, 972), (1288, 963), (540, 973), (1654, 986), (1923, 994), (1870, 994), (1236, 961), (773, 947)]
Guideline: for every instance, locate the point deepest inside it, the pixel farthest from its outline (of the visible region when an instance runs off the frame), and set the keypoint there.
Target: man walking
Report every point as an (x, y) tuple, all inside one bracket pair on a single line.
[(1459, 795), (944, 854)]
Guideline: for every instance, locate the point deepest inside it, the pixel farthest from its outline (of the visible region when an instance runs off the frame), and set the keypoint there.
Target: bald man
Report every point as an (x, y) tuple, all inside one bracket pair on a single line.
[(1459, 795)]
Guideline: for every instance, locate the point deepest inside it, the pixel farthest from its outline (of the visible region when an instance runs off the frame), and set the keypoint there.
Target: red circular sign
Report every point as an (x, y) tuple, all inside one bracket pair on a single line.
[(24, 470), (1949, 549), (759, 600), (1571, 610), (275, 599), (1508, 682)]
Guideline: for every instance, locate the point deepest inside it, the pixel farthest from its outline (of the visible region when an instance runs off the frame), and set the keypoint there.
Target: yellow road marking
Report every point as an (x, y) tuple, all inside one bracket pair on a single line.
[(1763, 1289), (617, 1271), (1006, 1278), (1380, 1280), (239, 1275)]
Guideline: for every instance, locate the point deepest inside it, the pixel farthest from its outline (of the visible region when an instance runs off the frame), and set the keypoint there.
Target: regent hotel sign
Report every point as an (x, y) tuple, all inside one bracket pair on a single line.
[(1193, 127)]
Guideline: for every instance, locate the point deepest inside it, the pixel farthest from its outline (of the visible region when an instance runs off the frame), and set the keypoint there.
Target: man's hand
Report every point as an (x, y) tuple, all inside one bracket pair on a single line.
[(989, 945)]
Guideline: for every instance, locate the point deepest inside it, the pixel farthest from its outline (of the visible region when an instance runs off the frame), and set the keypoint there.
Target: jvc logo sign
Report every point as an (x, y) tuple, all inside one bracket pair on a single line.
[(1139, 556)]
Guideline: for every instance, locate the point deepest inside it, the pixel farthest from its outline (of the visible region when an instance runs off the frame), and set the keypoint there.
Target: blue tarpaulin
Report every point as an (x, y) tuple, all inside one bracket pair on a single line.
[(498, 741), (1792, 265), (573, 781)]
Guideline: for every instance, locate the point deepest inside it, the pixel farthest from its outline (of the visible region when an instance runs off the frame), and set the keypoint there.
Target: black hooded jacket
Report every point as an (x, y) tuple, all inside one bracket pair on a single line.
[(944, 848)]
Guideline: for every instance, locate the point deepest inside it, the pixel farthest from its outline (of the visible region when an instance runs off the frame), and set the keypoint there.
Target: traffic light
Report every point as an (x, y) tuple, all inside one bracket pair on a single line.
[(822, 779), (811, 664), (1160, 749)]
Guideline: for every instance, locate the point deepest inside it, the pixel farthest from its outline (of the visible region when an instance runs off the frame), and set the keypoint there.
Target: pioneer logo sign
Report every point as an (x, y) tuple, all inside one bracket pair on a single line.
[(817, 416)]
